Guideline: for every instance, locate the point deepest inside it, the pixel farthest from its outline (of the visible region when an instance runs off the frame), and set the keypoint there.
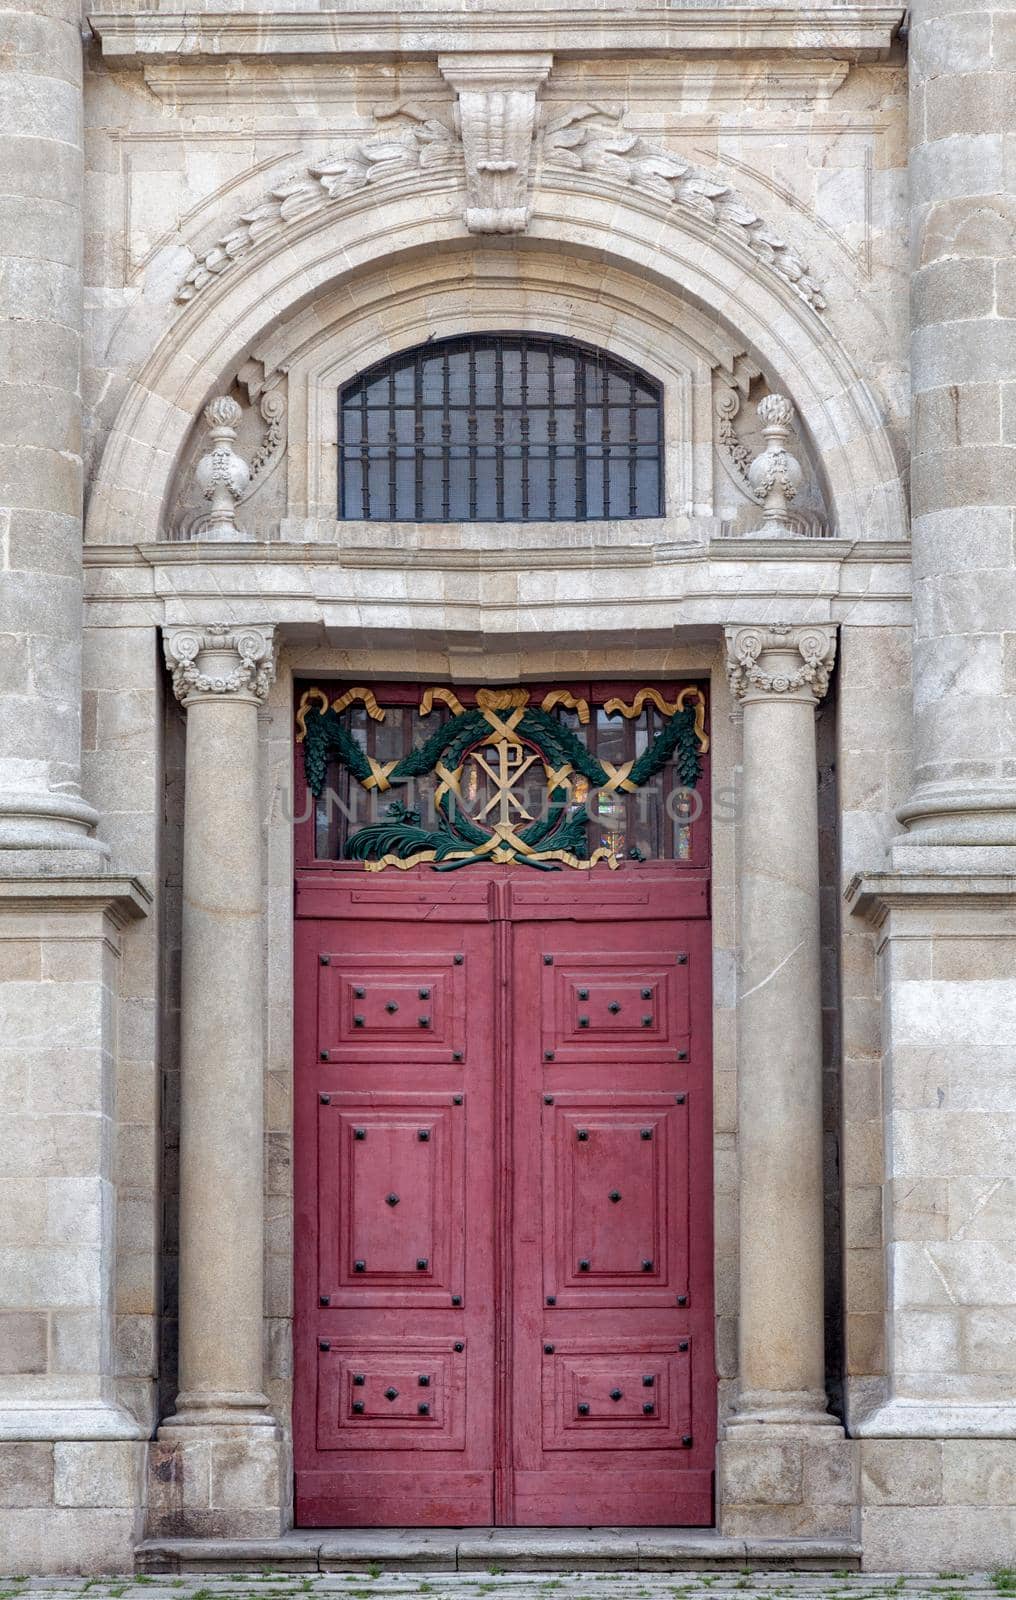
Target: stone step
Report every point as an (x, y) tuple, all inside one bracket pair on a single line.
[(497, 1550)]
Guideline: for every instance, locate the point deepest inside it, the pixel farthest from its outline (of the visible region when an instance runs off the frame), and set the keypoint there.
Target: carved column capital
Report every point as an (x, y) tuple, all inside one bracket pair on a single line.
[(220, 659), (496, 121), (780, 660)]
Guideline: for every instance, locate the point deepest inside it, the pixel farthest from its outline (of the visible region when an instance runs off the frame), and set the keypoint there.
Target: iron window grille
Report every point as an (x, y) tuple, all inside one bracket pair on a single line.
[(500, 428)]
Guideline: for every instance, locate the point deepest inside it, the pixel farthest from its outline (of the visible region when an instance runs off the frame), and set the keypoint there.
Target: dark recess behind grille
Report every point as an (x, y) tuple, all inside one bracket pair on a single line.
[(500, 428)]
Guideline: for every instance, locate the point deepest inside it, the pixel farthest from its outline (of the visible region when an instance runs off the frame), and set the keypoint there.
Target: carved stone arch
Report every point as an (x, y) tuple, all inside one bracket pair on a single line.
[(498, 290), (671, 248)]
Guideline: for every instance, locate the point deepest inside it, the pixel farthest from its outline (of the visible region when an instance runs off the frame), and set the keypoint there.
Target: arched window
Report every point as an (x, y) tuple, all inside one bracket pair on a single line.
[(500, 428)]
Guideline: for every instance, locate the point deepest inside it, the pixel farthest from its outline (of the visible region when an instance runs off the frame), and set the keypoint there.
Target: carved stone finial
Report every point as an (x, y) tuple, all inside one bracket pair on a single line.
[(496, 121), (776, 474), (222, 475), (220, 659), (780, 659)]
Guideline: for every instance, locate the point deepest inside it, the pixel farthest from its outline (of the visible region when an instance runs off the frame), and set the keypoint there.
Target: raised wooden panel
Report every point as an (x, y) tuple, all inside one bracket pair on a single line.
[(603, 1006), (386, 1009), (602, 1395), (400, 1396), (615, 1208), (392, 1194)]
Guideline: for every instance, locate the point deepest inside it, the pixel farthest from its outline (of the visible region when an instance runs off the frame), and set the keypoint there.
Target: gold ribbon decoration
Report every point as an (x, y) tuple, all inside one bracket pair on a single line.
[(561, 697), (448, 696), (310, 696), (669, 708)]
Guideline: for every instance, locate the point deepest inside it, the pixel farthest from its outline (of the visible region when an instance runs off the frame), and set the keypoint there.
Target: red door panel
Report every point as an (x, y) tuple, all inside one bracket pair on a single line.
[(391, 1185), (611, 1271), (406, 1396), (394, 1181), (604, 1396), (615, 1200), (383, 1009)]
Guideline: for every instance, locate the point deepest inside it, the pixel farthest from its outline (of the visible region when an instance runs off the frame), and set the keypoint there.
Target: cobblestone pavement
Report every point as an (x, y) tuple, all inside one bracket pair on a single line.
[(374, 1585)]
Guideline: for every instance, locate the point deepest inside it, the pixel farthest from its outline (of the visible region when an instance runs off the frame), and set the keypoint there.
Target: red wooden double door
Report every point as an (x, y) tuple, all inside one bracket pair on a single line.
[(504, 1248)]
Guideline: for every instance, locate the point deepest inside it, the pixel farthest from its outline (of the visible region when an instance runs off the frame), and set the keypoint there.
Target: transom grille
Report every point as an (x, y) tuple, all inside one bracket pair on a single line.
[(500, 428)]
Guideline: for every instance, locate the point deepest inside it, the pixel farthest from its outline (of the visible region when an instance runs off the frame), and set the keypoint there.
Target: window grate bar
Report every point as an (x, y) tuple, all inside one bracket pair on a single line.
[(364, 456), (446, 436), (524, 432), (581, 461), (393, 449), (551, 436), (633, 491), (605, 436), (418, 437), (474, 449), (499, 428)]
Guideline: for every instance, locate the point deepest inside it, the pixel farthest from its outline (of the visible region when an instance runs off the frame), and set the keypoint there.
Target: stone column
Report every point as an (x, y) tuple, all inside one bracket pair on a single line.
[(963, 386), (779, 674), (41, 178), (221, 675)]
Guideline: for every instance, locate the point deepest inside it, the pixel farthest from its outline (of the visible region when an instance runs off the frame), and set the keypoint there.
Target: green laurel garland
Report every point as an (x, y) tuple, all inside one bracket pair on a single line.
[(399, 832)]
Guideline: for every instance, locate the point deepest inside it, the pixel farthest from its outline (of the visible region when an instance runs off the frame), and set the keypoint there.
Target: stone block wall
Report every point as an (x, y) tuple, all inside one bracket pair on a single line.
[(71, 1506), (938, 1505)]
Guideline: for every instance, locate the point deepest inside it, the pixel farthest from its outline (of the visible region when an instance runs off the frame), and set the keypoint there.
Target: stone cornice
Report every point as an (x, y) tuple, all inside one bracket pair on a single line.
[(780, 661), (857, 32), (873, 895), (123, 899), (397, 583), (209, 661), (190, 553)]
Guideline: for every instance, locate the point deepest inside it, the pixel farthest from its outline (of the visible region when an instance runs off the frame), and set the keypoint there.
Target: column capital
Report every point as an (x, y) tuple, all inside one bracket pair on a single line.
[(780, 660), (220, 658)]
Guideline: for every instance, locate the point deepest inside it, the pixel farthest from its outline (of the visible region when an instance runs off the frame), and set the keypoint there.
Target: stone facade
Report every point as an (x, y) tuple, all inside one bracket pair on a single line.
[(212, 221)]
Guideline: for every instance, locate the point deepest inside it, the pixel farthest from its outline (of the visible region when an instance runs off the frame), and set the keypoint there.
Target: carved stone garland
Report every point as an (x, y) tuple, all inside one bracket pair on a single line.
[(591, 139), (495, 131)]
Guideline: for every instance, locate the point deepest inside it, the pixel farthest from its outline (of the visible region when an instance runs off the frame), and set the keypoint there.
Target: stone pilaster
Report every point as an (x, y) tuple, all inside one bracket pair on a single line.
[(784, 1467), (219, 1465), (41, 177), (944, 918), (71, 1454), (963, 383)]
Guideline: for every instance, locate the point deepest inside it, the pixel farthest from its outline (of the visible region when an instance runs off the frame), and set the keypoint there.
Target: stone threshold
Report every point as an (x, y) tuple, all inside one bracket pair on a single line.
[(496, 1550)]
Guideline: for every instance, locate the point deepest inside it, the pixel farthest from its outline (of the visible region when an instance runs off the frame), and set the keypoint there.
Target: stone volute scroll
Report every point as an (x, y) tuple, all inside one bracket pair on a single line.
[(775, 475), (496, 119), (220, 660), (780, 660), (222, 475)]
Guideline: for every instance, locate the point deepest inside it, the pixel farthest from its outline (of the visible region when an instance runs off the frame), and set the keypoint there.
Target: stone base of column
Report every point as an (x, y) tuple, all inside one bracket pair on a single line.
[(219, 1481), (787, 1481), (798, 1408)]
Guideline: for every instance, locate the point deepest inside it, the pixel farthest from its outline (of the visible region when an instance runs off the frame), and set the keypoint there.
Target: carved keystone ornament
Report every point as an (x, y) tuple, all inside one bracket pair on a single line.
[(495, 118)]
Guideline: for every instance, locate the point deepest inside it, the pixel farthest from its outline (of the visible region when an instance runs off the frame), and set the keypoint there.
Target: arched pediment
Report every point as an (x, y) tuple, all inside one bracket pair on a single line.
[(392, 228)]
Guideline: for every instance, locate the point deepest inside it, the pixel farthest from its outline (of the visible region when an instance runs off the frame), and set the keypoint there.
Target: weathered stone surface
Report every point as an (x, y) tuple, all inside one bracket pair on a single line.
[(98, 1474), (26, 1474)]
